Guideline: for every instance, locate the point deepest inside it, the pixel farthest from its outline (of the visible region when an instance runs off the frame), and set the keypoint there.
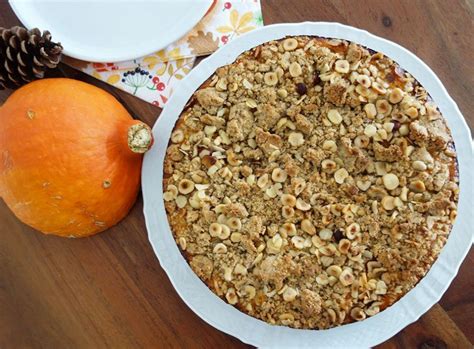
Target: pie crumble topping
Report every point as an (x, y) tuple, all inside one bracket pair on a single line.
[(311, 183)]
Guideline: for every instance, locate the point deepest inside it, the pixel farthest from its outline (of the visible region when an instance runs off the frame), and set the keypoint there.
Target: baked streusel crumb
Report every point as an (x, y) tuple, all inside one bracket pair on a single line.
[(311, 183)]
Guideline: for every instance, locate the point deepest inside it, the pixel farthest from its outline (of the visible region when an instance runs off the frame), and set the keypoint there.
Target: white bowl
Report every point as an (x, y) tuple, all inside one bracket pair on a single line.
[(226, 318)]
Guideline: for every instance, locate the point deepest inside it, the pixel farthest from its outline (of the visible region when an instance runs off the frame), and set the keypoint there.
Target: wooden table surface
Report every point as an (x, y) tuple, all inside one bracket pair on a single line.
[(109, 290)]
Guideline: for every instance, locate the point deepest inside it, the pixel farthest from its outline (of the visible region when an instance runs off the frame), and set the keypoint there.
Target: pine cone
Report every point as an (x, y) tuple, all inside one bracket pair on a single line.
[(25, 55)]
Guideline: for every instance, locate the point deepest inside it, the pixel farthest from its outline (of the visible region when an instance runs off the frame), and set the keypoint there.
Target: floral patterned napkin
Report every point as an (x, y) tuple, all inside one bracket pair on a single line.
[(154, 77)]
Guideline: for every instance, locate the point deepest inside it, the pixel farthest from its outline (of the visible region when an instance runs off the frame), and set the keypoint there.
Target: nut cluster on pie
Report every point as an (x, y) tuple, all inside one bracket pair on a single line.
[(311, 183)]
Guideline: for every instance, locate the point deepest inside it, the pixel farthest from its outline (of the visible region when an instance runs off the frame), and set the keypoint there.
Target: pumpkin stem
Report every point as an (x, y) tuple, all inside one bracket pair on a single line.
[(140, 138)]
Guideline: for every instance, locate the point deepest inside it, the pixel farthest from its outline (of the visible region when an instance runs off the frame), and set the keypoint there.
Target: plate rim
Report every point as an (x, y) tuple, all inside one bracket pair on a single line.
[(440, 274), (71, 52)]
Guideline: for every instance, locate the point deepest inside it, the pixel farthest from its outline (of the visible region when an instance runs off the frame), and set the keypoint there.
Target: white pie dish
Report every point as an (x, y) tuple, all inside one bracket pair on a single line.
[(108, 30), (224, 317)]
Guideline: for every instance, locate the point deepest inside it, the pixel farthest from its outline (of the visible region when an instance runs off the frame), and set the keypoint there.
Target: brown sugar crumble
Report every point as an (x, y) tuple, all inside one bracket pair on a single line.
[(311, 183)]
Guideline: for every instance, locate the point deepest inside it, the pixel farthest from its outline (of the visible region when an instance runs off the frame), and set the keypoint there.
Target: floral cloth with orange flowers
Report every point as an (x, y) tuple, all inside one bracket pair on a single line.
[(154, 77)]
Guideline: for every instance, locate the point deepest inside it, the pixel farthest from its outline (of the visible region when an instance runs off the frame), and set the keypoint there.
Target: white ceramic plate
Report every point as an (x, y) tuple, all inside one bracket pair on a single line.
[(369, 332), (111, 30)]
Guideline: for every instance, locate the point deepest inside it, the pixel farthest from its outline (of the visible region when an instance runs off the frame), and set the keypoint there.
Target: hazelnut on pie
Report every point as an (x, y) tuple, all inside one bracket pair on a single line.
[(311, 183)]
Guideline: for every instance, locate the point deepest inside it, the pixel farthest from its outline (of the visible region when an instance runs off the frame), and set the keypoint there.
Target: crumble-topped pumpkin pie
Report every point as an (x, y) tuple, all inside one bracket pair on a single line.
[(311, 183)]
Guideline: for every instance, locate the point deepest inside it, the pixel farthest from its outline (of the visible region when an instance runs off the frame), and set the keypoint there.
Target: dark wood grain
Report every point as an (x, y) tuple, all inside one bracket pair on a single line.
[(109, 290)]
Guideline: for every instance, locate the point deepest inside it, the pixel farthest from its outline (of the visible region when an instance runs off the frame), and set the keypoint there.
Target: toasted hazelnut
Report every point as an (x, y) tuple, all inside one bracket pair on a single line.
[(279, 72), (334, 270), (370, 110), (363, 185), (279, 175), (330, 146), (378, 88), (390, 181), (250, 179), (235, 237), (302, 205), (412, 112), (231, 296), (364, 80), (381, 288), (234, 223), (381, 135), (346, 277), (388, 202), (225, 233), (419, 165), (182, 243), (404, 194), (388, 126), (452, 215), (240, 269), (288, 229), (177, 136), (340, 175), (219, 248), (249, 291), (380, 168), (298, 242), (222, 219), (270, 78), (221, 85), (362, 141), (290, 44), (299, 185), (295, 69), (172, 189), (185, 186), (209, 130), (322, 279), (317, 241), (326, 261), (308, 227), (383, 107), (395, 96), (215, 229), (247, 84), (417, 186), (262, 181), (212, 170), (357, 314), (227, 274), (282, 93), (168, 196), (364, 92), (290, 294), (296, 139), (370, 130), (328, 166), (325, 234), (288, 200), (334, 116), (397, 202), (328, 250), (287, 211), (251, 103), (286, 319), (344, 246), (404, 130), (342, 66), (181, 201), (275, 243), (352, 230)]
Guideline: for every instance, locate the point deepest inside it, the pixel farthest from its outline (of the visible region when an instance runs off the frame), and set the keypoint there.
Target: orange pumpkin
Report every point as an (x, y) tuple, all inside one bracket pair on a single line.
[(70, 157)]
